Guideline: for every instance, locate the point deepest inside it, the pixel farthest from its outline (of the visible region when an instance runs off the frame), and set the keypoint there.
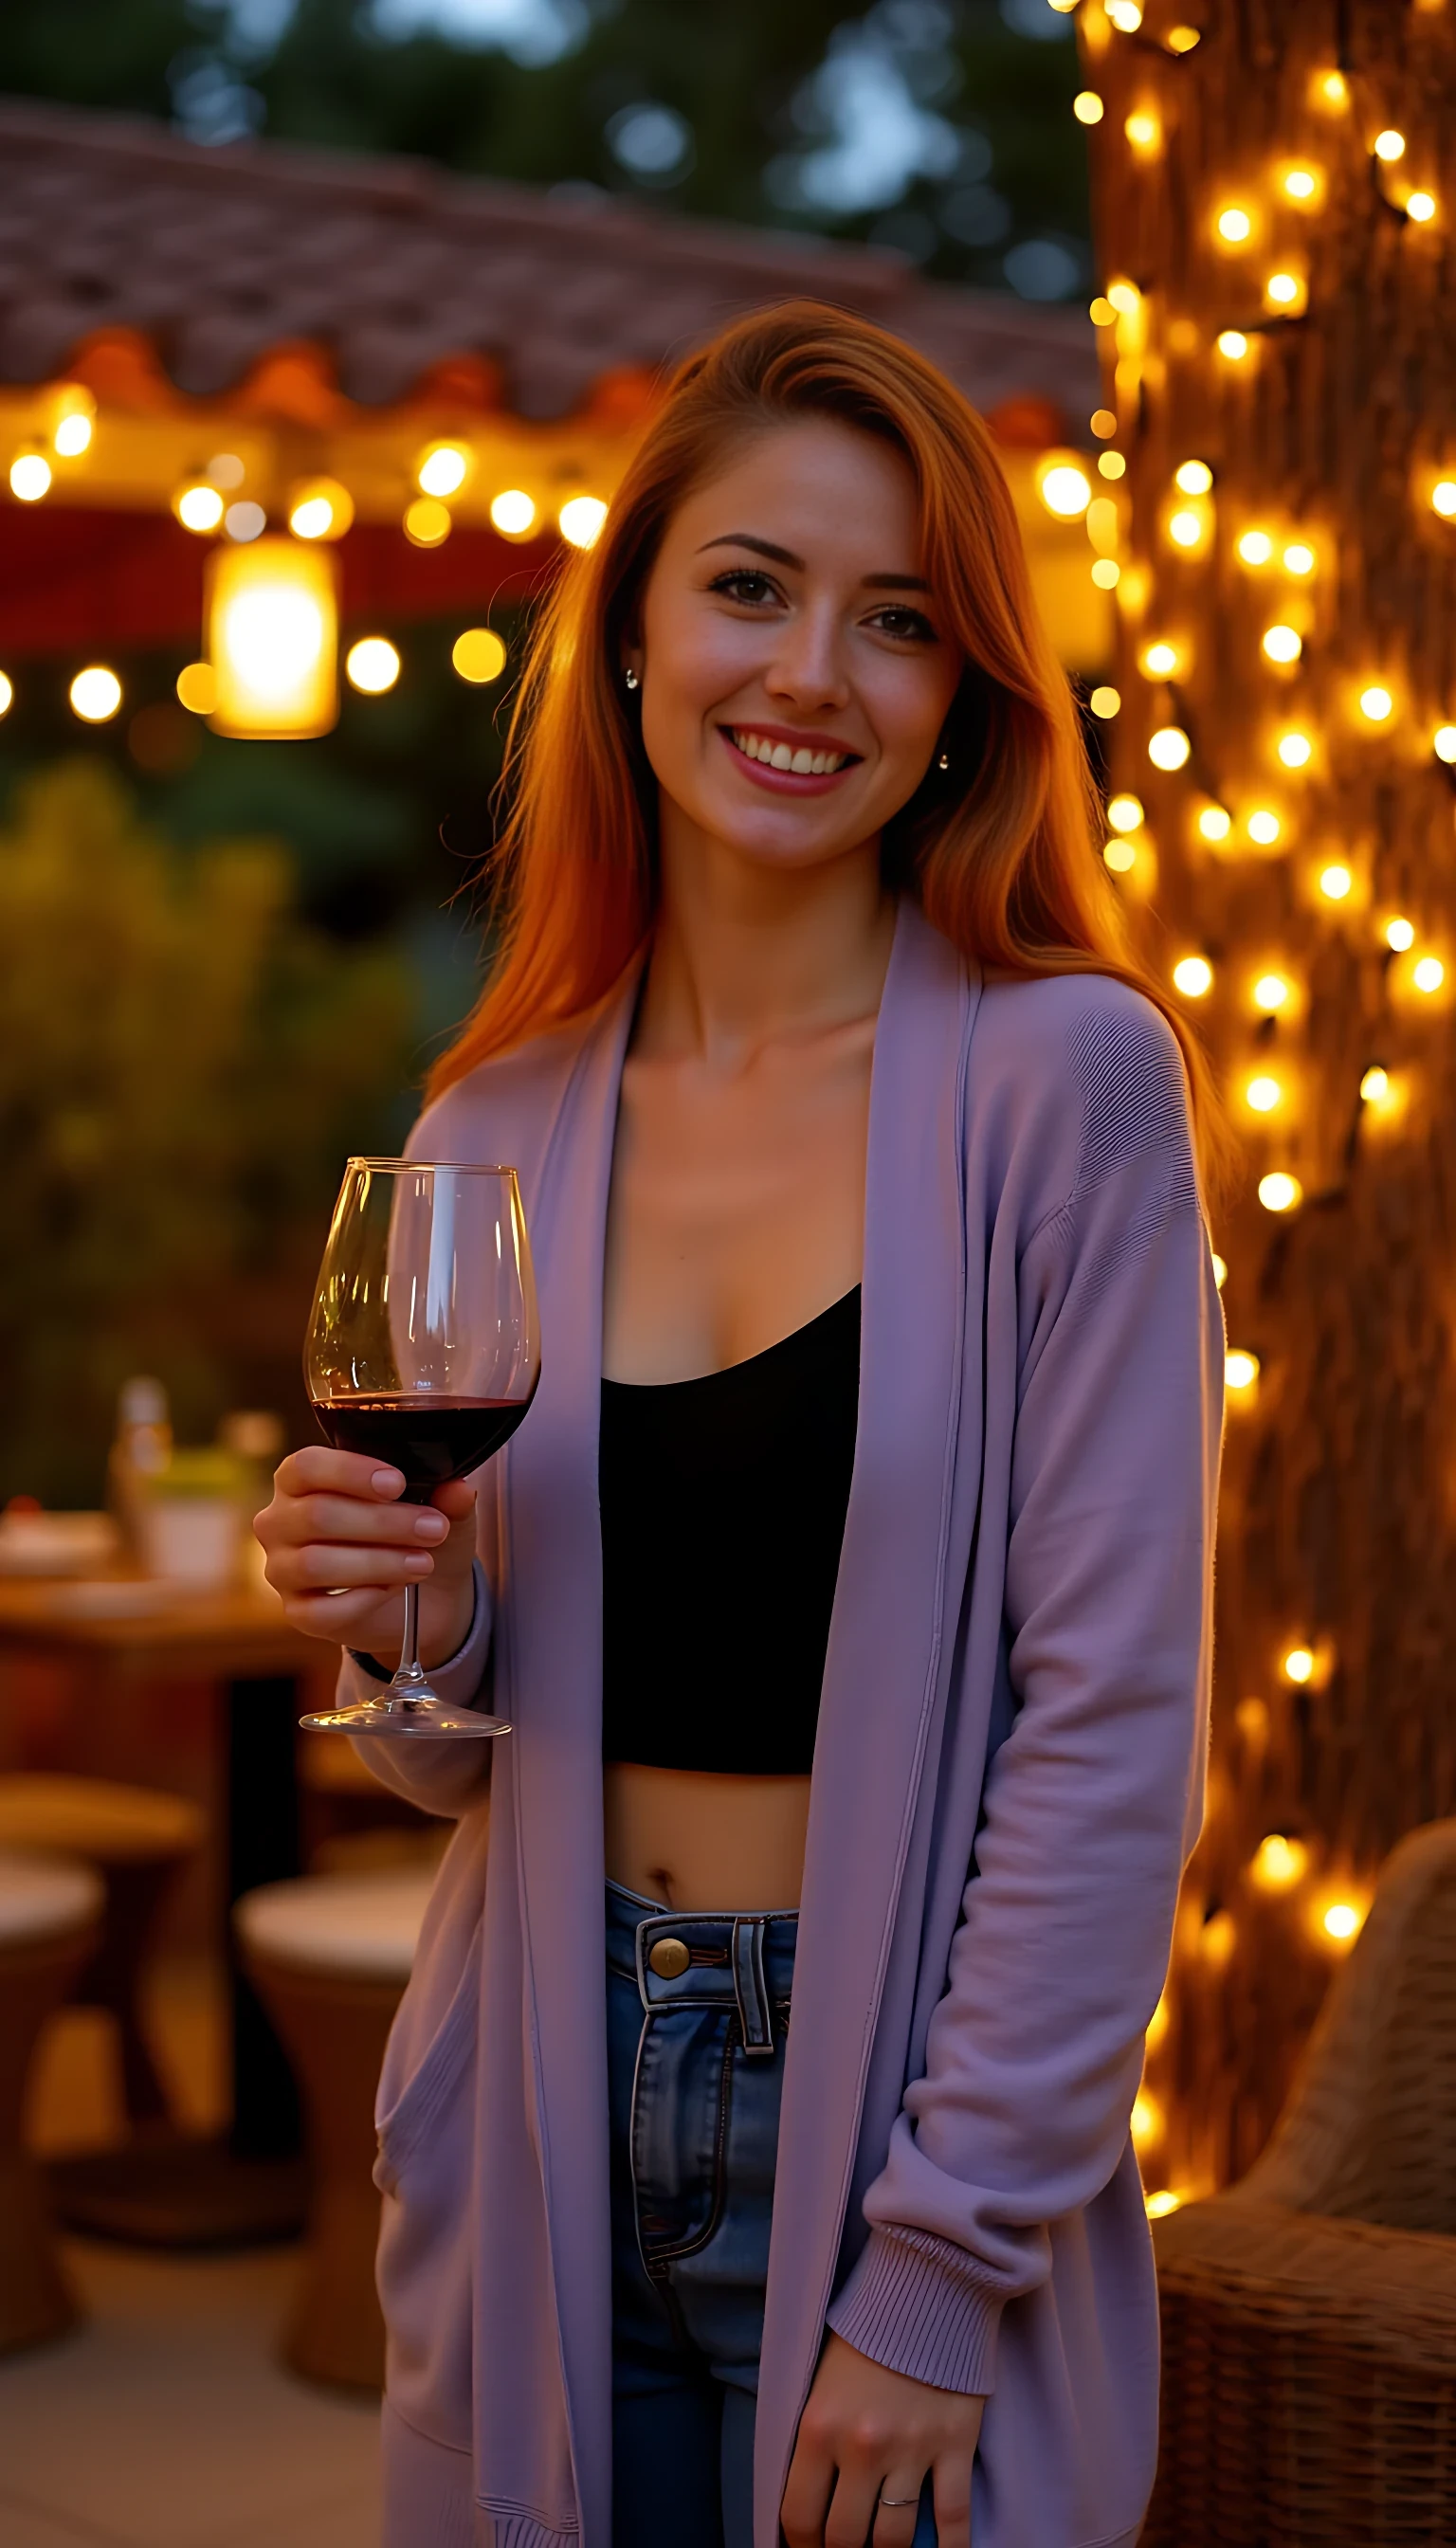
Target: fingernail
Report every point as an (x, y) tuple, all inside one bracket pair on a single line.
[(431, 1525), (419, 1565), (387, 1482)]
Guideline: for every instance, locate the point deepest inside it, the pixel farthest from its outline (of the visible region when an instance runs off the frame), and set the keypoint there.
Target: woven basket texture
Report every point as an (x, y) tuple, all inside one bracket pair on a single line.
[(1310, 2313)]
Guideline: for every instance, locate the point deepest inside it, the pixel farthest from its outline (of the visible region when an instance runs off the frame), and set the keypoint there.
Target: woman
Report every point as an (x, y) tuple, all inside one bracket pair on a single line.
[(877, 1434)]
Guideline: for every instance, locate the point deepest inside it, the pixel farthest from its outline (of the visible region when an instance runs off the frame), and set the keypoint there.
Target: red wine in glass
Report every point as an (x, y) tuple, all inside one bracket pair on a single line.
[(424, 1352)]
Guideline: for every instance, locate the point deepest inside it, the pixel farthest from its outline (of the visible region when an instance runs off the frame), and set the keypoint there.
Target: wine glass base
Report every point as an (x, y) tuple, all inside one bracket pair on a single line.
[(418, 1720)]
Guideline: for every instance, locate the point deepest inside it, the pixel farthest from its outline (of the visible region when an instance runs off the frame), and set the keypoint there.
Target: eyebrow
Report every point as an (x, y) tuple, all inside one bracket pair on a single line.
[(786, 557)]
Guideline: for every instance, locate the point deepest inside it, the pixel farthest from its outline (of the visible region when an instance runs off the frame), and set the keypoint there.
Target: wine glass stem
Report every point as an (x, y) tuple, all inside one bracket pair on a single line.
[(410, 1678)]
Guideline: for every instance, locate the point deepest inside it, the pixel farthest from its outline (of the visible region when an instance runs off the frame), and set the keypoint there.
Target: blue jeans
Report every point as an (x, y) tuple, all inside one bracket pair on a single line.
[(695, 2078)]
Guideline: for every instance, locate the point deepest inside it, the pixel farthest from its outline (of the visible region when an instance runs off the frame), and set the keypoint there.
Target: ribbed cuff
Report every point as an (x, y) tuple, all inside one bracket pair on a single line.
[(923, 2306)]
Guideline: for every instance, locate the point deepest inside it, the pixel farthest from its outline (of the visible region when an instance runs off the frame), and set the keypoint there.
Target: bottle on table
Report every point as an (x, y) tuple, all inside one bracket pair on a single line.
[(140, 1453)]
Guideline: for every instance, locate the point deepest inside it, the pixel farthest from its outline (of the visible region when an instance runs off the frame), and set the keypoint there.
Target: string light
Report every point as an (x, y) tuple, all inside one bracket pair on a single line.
[(1284, 291), (1301, 185), (1183, 39), (1278, 1864), (1443, 499), (1376, 703), (1420, 206), (1400, 936), (1105, 701), (1111, 464), (1240, 1370), (1389, 146), (1299, 1666), (200, 507), (1295, 749), (1087, 106), (1281, 644), (427, 522), (1195, 477), (1221, 1271), (245, 521), (1158, 2206), (1279, 1192), (1144, 132), (1187, 528), (1216, 1938), (1264, 827), (1102, 420), (1332, 90), (1342, 1922), (479, 655), (1125, 297), (1428, 974), (372, 664), (1443, 743), (1215, 823), (581, 519), (1232, 344), (321, 509), (1235, 225), (443, 469), (96, 695), (1270, 993), (30, 478), (1064, 489), (1263, 1093), (1335, 883), (1193, 976), (1299, 558), (197, 689), (1101, 312), (7, 693), (1146, 2120), (513, 512), (1120, 857), (1160, 661), (72, 434), (1107, 575), (1255, 548), (1375, 1087), (1168, 747), (1125, 15), (1125, 813)]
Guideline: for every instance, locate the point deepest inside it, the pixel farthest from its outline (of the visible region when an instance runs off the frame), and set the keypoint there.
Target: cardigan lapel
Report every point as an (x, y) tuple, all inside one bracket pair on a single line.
[(889, 1658)]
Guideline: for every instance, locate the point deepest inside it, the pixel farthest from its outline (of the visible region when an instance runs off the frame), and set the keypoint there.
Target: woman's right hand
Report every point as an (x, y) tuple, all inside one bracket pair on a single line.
[(340, 1545)]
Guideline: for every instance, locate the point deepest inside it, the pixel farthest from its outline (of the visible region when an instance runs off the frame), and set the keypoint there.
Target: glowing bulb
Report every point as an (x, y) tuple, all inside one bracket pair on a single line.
[(1342, 1922), (1216, 1938), (1170, 748), (1193, 975), (1195, 477), (1107, 575), (579, 521), (1125, 298), (1087, 106), (479, 655), (372, 664), (1420, 206), (1235, 225), (1282, 645), (1264, 828), (1375, 1087), (1216, 823), (1334, 89), (1443, 743), (1278, 1862), (1295, 750), (1161, 661), (7, 693), (1125, 15), (1241, 1370), (1158, 2206), (1111, 464), (245, 521), (1147, 2122), (1144, 133), (1279, 1192), (30, 478), (1299, 184), (1185, 529), (1120, 856), (1066, 489), (1376, 703), (1401, 936), (1430, 973), (443, 471), (96, 693), (199, 508), (1335, 883), (197, 689), (1105, 701), (72, 436), (1232, 344), (1299, 558), (513, 511), (1299, 1665), (1282, 289), (1182, 39), (1263, 1093), (1390, 146), (312, 519), (1221, 1271), (321, 509), (1102, 420), (1443, 499), (1255, 548), (1101, 312), (1270, 993), (1125, 813), (427, 522)]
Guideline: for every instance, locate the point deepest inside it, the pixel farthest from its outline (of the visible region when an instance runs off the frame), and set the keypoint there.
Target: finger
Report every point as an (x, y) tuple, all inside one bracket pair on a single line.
[(350, 1522), (852, 2514), (806, 2489), (953, 2479), (316, 1469), (897, 2507), (343, 1618), (324, 1566)]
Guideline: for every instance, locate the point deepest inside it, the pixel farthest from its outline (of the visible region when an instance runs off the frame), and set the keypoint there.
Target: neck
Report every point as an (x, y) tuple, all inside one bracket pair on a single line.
[(745, 953)]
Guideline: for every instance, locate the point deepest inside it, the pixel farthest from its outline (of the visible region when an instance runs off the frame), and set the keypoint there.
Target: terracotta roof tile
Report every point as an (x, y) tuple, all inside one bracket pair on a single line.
[(391, 266)]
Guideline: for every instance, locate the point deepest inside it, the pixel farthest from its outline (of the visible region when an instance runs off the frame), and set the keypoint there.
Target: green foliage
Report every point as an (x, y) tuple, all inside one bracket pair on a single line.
[(182, 1068)]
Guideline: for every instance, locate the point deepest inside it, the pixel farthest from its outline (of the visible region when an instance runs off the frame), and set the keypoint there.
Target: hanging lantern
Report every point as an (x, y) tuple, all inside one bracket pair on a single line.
[(272, 639)]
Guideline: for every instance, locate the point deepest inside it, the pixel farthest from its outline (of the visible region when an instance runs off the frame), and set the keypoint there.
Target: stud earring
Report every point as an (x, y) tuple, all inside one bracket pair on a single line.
[(631, 678), (945, 762)]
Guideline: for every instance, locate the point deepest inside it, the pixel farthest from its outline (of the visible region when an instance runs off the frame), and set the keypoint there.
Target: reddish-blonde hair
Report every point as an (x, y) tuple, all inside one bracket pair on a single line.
[(1004, 861)]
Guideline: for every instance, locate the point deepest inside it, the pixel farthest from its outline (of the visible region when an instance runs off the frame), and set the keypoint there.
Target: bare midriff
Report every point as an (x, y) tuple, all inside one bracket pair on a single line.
[(702, 1840)]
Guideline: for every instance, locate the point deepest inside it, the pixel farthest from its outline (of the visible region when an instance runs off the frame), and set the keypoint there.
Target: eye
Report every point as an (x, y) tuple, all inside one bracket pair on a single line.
[(738, 579), (898, 619)]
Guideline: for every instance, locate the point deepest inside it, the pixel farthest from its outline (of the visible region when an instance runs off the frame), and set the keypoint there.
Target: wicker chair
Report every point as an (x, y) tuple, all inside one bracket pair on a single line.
[(1310, 2313)]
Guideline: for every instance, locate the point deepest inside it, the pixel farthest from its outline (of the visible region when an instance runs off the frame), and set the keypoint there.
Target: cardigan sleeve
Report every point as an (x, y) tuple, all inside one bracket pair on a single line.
[(439, 1778), (1094, 1799)]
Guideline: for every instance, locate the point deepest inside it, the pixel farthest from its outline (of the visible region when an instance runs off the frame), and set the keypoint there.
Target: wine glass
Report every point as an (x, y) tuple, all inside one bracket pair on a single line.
[(424, 1350)]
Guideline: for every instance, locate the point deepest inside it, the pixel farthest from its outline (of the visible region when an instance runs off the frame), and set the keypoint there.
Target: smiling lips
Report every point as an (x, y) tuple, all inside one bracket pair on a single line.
[(798, 768)]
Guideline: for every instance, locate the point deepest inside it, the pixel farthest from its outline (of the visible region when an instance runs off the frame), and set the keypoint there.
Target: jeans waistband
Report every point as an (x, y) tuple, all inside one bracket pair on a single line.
[(741, 1960)]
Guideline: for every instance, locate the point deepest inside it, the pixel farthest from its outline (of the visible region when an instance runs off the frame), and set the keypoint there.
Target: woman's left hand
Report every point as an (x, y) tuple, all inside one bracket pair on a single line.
[(867, 2433)]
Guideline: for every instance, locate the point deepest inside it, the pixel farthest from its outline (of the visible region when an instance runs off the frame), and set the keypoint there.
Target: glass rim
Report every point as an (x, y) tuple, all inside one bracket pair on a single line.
[(457, 1167)]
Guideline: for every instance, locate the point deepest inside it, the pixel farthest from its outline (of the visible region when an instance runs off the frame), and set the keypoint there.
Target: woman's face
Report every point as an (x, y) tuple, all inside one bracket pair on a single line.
[(794, 672)]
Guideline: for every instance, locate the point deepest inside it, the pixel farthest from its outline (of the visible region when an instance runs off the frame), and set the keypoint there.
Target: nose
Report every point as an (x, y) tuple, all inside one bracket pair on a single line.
[(808, 669)]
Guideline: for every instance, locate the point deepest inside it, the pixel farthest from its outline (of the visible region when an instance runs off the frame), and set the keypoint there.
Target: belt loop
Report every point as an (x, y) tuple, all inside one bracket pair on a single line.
[(755, 2014)]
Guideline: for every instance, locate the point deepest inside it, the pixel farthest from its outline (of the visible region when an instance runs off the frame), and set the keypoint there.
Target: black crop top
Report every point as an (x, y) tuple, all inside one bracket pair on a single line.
[(723, 1506)]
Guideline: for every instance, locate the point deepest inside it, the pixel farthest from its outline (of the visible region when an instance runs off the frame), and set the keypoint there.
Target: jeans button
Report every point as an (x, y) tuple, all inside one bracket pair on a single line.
[(668, 1958)]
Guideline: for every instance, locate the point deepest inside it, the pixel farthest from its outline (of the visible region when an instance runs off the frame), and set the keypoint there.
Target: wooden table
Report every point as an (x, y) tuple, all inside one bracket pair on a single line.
[(176, 2191)]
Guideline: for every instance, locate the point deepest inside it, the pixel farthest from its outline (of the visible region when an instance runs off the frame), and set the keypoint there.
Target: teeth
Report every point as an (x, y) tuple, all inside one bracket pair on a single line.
[(781, 756)]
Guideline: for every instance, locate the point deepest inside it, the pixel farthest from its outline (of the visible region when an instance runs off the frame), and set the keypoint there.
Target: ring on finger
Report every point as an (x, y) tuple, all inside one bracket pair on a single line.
[(898, 2502)]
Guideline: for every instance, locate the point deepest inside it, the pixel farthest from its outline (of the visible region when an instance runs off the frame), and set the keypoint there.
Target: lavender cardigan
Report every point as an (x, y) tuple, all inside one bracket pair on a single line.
[(1007, 1778)]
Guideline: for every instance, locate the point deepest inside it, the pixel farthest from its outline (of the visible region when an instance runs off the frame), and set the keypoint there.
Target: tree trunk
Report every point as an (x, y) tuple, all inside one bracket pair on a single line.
[(1330, 435)]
